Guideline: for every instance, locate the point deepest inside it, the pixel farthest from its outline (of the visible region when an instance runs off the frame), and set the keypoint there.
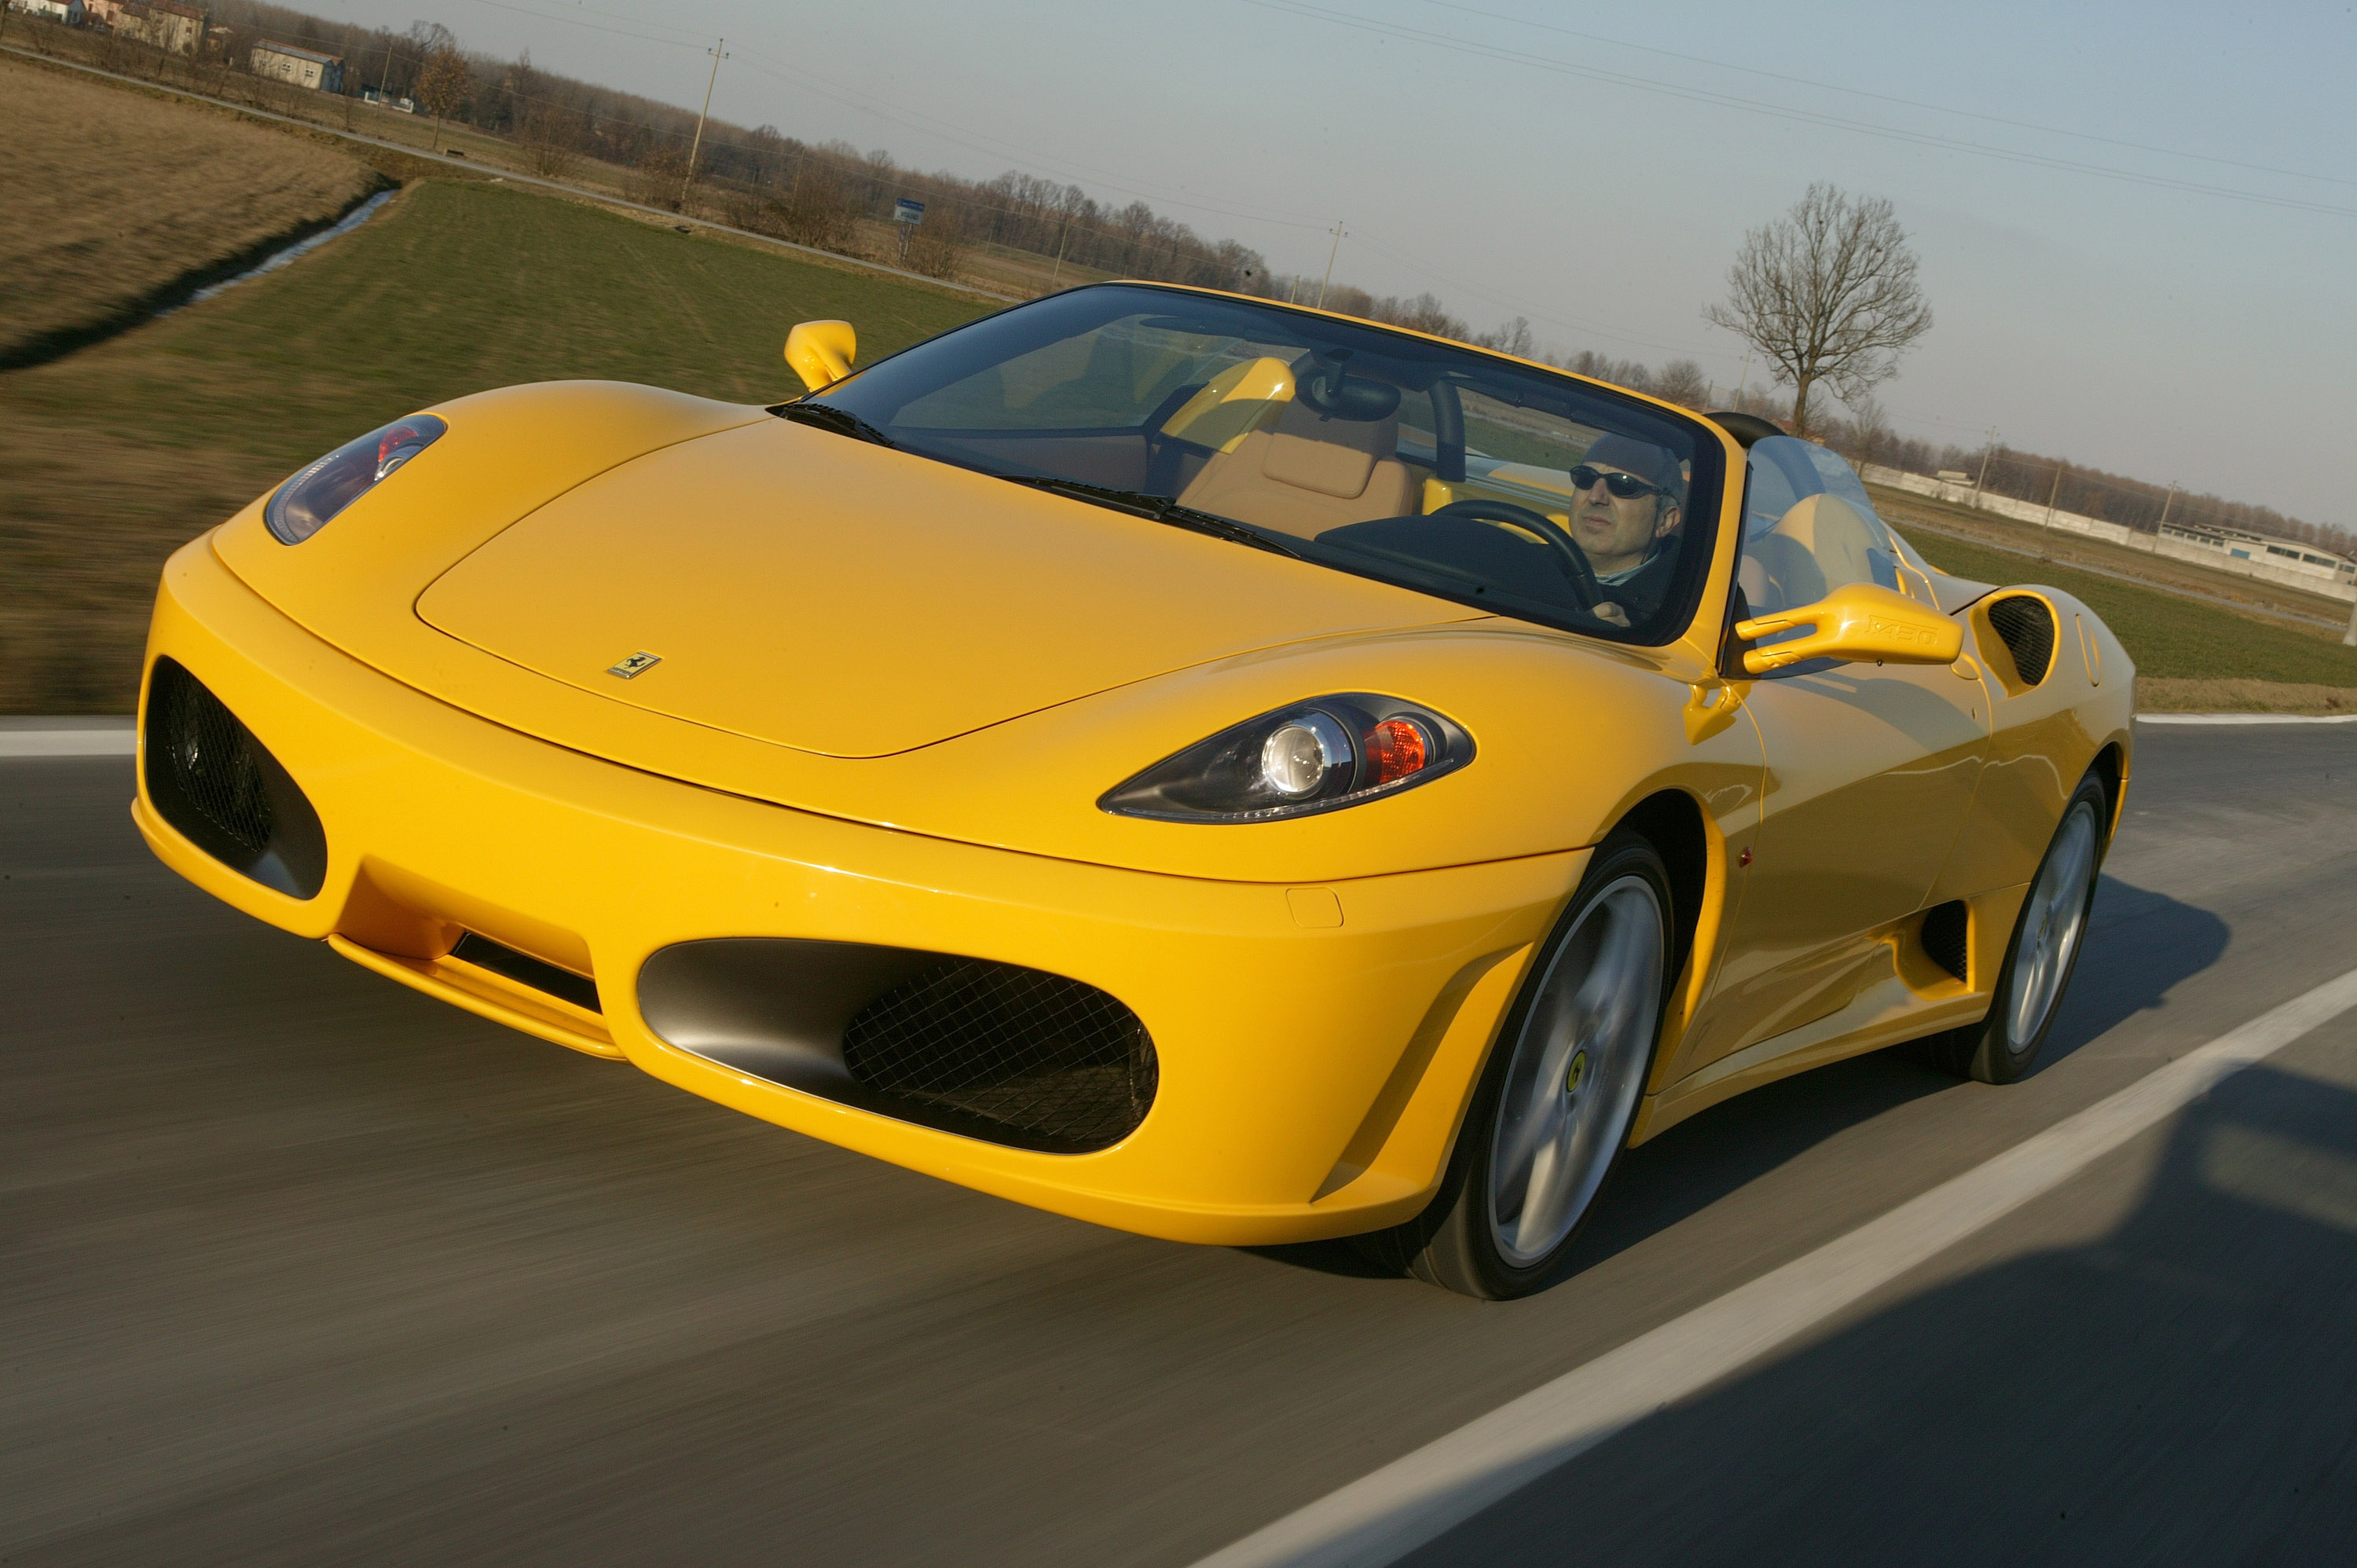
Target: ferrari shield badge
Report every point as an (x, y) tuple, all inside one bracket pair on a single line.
[(638, 663)]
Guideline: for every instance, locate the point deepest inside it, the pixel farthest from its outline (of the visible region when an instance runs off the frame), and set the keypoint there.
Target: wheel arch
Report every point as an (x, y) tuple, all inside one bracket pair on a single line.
[(1671, 822)]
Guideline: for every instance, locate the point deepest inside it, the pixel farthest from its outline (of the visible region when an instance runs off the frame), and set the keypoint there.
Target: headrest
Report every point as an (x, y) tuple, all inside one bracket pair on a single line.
[(1338, 395)]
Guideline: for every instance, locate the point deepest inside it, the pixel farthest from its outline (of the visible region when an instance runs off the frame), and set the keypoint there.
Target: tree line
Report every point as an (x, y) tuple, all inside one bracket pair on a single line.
[(1826, 293)]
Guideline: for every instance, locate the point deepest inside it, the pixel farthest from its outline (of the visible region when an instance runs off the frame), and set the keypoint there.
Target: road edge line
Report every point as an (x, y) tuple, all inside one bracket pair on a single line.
[(1384, 1515), (30, 743), (2247, 718)]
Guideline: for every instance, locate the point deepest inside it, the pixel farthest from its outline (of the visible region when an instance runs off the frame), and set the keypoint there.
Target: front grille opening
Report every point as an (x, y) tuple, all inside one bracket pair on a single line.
[(1946, 928), (1035, 1059), (2027, 628), (525, 969), (224, 791)]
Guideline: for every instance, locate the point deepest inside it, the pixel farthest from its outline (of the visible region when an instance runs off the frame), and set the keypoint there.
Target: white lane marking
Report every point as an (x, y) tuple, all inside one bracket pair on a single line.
[(2247, 718), (68, 742), (1383, 1517)]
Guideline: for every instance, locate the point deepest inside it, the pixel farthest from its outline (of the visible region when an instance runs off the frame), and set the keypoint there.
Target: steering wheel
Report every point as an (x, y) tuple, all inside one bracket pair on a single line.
[(1584, 585)]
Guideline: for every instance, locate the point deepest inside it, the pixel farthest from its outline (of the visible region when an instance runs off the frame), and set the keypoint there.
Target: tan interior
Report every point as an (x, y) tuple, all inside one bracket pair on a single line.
[(1820, 545), (1308, 474)]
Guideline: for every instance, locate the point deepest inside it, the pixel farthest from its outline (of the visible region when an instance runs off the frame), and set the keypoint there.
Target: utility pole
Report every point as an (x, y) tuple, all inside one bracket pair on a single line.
[(2169, 501), (2051, 494), (1744, 383), (1062, 235), (1335, 250), (719, 52), (1985, 453)]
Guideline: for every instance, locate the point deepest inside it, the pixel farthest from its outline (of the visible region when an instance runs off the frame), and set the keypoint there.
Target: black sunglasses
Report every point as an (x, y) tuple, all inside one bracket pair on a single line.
[(1628, 486)]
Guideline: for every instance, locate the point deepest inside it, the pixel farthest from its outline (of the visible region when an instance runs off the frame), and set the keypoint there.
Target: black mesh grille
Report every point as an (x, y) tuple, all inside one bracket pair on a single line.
[(208, 778), (1945, 928), (211, 758), (2027, 628), (1039, 1060)]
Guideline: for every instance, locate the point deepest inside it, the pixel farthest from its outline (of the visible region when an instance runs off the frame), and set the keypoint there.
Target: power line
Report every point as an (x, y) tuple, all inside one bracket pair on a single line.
[(1307, 12), (1890, 97)]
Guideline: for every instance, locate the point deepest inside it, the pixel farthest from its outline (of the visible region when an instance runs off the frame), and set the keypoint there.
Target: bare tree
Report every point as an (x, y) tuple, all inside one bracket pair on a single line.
[(1681, 381), (548, 135), (443, 82), (1826, 293)]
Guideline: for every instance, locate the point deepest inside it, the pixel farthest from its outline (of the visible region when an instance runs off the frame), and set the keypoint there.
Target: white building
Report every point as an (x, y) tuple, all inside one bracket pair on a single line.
[(2281, 553), (303, 67)]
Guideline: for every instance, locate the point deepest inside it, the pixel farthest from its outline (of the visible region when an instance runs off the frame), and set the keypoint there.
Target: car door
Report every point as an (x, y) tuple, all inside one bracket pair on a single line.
[(1871, 769)]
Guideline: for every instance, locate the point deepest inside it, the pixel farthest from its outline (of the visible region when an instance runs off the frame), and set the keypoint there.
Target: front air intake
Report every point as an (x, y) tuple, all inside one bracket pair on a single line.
[(208, 776), (1050, 1063), (2027, 628)]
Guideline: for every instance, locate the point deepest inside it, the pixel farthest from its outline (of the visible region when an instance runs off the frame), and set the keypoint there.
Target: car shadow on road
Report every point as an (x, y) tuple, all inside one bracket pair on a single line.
[(2140, 944), (2175, 1389)]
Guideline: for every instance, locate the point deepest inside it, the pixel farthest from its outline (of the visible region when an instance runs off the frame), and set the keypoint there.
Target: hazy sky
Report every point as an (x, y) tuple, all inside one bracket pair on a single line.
[(1594, 168)]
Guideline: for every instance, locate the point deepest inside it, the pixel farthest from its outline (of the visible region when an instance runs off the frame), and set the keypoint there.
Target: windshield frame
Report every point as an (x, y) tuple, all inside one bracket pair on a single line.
[(1701, 520)]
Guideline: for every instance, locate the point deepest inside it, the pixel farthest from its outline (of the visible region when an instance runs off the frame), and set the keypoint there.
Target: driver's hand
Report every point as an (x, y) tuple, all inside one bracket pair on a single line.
[(1610, 611)]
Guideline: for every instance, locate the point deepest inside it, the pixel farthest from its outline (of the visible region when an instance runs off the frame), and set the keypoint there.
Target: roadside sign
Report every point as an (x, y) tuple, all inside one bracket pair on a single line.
[(907, 211)]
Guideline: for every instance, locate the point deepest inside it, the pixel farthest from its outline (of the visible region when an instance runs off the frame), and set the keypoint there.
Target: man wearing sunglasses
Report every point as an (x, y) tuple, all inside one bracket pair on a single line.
[(1624, 516)]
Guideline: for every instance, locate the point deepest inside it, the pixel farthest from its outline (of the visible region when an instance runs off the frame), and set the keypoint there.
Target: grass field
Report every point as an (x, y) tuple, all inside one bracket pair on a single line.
[(2174, 640), (112, 457), (2272, 600), (108, 196)]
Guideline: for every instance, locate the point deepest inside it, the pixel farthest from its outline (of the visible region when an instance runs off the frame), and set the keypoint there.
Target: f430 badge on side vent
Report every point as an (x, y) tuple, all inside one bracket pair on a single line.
[(638, 663)]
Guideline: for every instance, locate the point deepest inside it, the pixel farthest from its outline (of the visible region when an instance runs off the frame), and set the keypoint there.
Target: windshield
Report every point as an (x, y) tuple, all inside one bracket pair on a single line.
[(1371, 452)]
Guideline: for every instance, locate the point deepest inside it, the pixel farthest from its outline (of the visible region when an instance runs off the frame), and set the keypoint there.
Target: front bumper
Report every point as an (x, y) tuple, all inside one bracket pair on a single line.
[(1311, 1078)]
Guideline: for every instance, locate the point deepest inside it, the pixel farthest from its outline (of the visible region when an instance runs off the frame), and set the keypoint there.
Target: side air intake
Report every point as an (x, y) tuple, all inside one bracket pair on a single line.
[(209, 778), (1059, 1065), (1946, 930), (2027, 628), (994, 1051)]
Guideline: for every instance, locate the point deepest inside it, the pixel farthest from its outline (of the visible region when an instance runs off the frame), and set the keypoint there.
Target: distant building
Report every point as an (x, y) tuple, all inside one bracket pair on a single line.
[(69, 12), (169, 25), (2287, 555), (103, 13), (303, 67), (370, 95)]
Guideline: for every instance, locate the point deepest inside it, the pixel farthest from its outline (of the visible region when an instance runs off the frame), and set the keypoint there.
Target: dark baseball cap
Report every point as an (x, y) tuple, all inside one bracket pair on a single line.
[(1657, 465)]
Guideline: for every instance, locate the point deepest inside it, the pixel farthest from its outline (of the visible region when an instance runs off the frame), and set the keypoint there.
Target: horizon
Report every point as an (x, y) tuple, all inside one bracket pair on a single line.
[(2058, 319)]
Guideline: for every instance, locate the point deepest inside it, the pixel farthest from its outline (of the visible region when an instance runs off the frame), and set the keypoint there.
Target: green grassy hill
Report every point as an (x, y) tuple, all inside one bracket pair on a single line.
[(2168, 636), (111, 457)]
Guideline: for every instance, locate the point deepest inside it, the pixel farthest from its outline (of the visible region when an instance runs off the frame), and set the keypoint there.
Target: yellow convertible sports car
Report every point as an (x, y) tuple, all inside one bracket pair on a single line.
[(1224, 770)]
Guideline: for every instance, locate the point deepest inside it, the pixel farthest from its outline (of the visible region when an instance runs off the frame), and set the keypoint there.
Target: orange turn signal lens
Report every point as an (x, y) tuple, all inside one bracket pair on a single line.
[(1397, 748)]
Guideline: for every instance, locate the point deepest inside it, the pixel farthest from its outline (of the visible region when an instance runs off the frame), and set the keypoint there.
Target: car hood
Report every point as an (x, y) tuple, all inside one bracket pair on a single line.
[(797, 588)]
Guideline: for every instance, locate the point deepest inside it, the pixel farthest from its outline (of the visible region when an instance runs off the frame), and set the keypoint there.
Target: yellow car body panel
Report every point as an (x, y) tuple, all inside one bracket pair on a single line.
[(890, 694), (440, 822)]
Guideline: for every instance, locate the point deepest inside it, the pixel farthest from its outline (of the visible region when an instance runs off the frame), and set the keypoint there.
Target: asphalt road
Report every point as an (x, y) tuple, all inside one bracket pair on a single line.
[(296, 1266)]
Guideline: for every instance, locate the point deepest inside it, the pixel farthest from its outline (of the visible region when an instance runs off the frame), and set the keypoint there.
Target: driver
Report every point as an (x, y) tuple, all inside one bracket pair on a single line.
[(1625, 511)]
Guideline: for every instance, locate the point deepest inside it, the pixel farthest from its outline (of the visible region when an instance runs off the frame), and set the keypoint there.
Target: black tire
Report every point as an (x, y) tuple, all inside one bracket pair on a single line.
[(1456, 1242), (2002, 1045)]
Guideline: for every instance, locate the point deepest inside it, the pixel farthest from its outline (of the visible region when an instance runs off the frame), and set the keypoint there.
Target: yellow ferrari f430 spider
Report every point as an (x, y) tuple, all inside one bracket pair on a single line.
[(1227, 771)]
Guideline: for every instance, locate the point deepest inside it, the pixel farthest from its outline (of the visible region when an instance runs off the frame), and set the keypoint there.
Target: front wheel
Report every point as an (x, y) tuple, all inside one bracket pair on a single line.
[(2043, 952), (1552, 1112)]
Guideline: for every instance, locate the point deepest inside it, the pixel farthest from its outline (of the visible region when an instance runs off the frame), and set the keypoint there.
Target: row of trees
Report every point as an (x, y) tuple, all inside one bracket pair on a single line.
[(1827, 294)]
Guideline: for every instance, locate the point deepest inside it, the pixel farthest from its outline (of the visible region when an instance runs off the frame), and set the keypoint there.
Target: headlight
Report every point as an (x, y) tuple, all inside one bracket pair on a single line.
[(305, 504), (1310, 756)]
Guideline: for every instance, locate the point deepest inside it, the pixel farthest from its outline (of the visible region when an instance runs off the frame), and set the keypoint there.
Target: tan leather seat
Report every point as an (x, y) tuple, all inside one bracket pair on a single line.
[(1820, 545), (1308, 474)]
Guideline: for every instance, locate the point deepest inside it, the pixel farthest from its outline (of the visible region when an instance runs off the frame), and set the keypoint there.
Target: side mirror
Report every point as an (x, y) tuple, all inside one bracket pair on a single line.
[(820, 351), (1859, 623)]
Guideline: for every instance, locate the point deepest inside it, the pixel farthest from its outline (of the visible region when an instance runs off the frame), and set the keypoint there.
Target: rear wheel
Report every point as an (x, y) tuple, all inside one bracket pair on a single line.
[(2044, 950), (1552, 1112)]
